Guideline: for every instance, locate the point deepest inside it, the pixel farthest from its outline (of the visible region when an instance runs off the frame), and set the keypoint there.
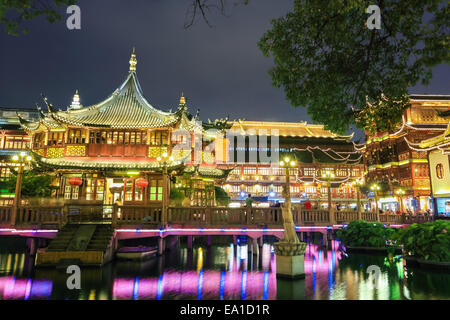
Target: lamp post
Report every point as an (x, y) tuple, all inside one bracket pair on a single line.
[(21, 160), (400, 193), (289, 227), (328, 176), (164, 162), (289, 250), (357, 183), (375, 187)]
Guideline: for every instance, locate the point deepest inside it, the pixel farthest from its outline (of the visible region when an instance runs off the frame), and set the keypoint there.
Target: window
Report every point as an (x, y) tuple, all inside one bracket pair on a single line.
[(308, 172), (100, 189), (440, 171), (129, 190), (90, 188), (248, 170), (39, 140), (15, 143), (74, 136), (264, 171), (158, 138), (156, 190), (55, 138)]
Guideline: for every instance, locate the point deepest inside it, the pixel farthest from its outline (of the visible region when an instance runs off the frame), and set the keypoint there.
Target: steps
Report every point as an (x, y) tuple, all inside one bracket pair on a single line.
[(101, 238), (63, 238), (87, 243)]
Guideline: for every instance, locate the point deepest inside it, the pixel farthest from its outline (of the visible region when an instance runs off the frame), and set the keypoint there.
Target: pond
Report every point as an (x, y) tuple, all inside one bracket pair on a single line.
[(223, 272)]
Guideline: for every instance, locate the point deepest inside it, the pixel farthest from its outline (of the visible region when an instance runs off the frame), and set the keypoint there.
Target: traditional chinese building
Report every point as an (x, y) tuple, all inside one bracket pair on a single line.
[(315, 150), (438, 150), (390, 158), (116, 150), (13, 140)]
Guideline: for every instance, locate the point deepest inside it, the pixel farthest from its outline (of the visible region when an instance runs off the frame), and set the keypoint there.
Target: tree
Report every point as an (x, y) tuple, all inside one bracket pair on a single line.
[(204, 7), (222, 197), (33, 185), (14, 12), (327, 60)]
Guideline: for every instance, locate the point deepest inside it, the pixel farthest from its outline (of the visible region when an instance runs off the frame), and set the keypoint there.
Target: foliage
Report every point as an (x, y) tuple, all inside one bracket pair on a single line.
[(33, 185), (365, 234), (428, 241), (177, 196), (222, 197), (14, 12), (327, 60)]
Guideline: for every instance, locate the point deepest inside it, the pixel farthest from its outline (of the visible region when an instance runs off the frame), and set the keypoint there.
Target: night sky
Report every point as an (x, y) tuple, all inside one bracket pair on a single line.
[(220, 69)]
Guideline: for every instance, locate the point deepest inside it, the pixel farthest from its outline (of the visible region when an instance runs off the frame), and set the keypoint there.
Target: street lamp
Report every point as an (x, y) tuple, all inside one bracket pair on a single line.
[(289, 226), (21, 160), (289, 251), (357, 183), (375, 187), (164, 161), (328, 176), (400, 193)]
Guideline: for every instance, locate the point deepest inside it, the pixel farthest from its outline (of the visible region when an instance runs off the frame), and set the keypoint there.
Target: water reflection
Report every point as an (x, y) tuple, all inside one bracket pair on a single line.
[(225, 272)]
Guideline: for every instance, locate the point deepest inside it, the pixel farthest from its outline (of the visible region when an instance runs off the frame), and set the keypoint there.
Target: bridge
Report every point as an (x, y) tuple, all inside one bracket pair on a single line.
[(89, 232), (184, 220)]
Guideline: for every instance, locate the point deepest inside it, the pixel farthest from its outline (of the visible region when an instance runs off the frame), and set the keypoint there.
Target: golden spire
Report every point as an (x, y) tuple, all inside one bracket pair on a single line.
[(182, 99), (133, 61)]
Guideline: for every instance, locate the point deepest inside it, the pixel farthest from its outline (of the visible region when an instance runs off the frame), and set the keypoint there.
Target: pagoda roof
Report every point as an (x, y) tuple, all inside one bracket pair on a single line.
[(125, 108), (288, 129), (94, 163)]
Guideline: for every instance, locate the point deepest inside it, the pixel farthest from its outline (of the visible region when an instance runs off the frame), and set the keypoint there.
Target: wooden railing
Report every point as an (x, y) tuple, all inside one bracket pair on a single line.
[(190, 216), (136, 215), (41, 215), (5, 216)]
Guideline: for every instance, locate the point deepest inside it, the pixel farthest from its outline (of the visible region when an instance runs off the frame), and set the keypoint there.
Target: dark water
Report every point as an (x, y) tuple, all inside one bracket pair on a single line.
[(223, 272)]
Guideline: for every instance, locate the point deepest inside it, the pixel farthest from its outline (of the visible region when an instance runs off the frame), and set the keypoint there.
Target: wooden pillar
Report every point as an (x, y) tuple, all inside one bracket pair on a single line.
[(32, 246), (190, 241), (124, 190), (261, 241), (255, 246), (324, 238), (161, 246)]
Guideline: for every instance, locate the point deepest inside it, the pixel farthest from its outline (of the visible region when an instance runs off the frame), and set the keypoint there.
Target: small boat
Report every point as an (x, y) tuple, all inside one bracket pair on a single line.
[(136, 253)]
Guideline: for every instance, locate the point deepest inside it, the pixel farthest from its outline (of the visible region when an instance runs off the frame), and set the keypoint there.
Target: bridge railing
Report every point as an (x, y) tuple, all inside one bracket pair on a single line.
[(5, 216), (136, 214), (312, 216), (213, 216), (224, 216), (345, 216), (41, 215)]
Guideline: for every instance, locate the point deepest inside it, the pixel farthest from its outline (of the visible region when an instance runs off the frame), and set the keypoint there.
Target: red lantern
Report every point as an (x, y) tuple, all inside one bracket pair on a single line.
[(75, 181), (141, 183)]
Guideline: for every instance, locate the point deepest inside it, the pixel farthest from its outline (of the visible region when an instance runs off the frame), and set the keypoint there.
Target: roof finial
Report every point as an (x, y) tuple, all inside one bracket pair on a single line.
[(75, 101), (133, 61), (182, 99)]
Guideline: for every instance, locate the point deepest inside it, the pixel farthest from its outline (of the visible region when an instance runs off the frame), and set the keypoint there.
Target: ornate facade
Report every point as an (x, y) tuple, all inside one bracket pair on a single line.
[(315, 149), (116, 150), (390, 158)]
